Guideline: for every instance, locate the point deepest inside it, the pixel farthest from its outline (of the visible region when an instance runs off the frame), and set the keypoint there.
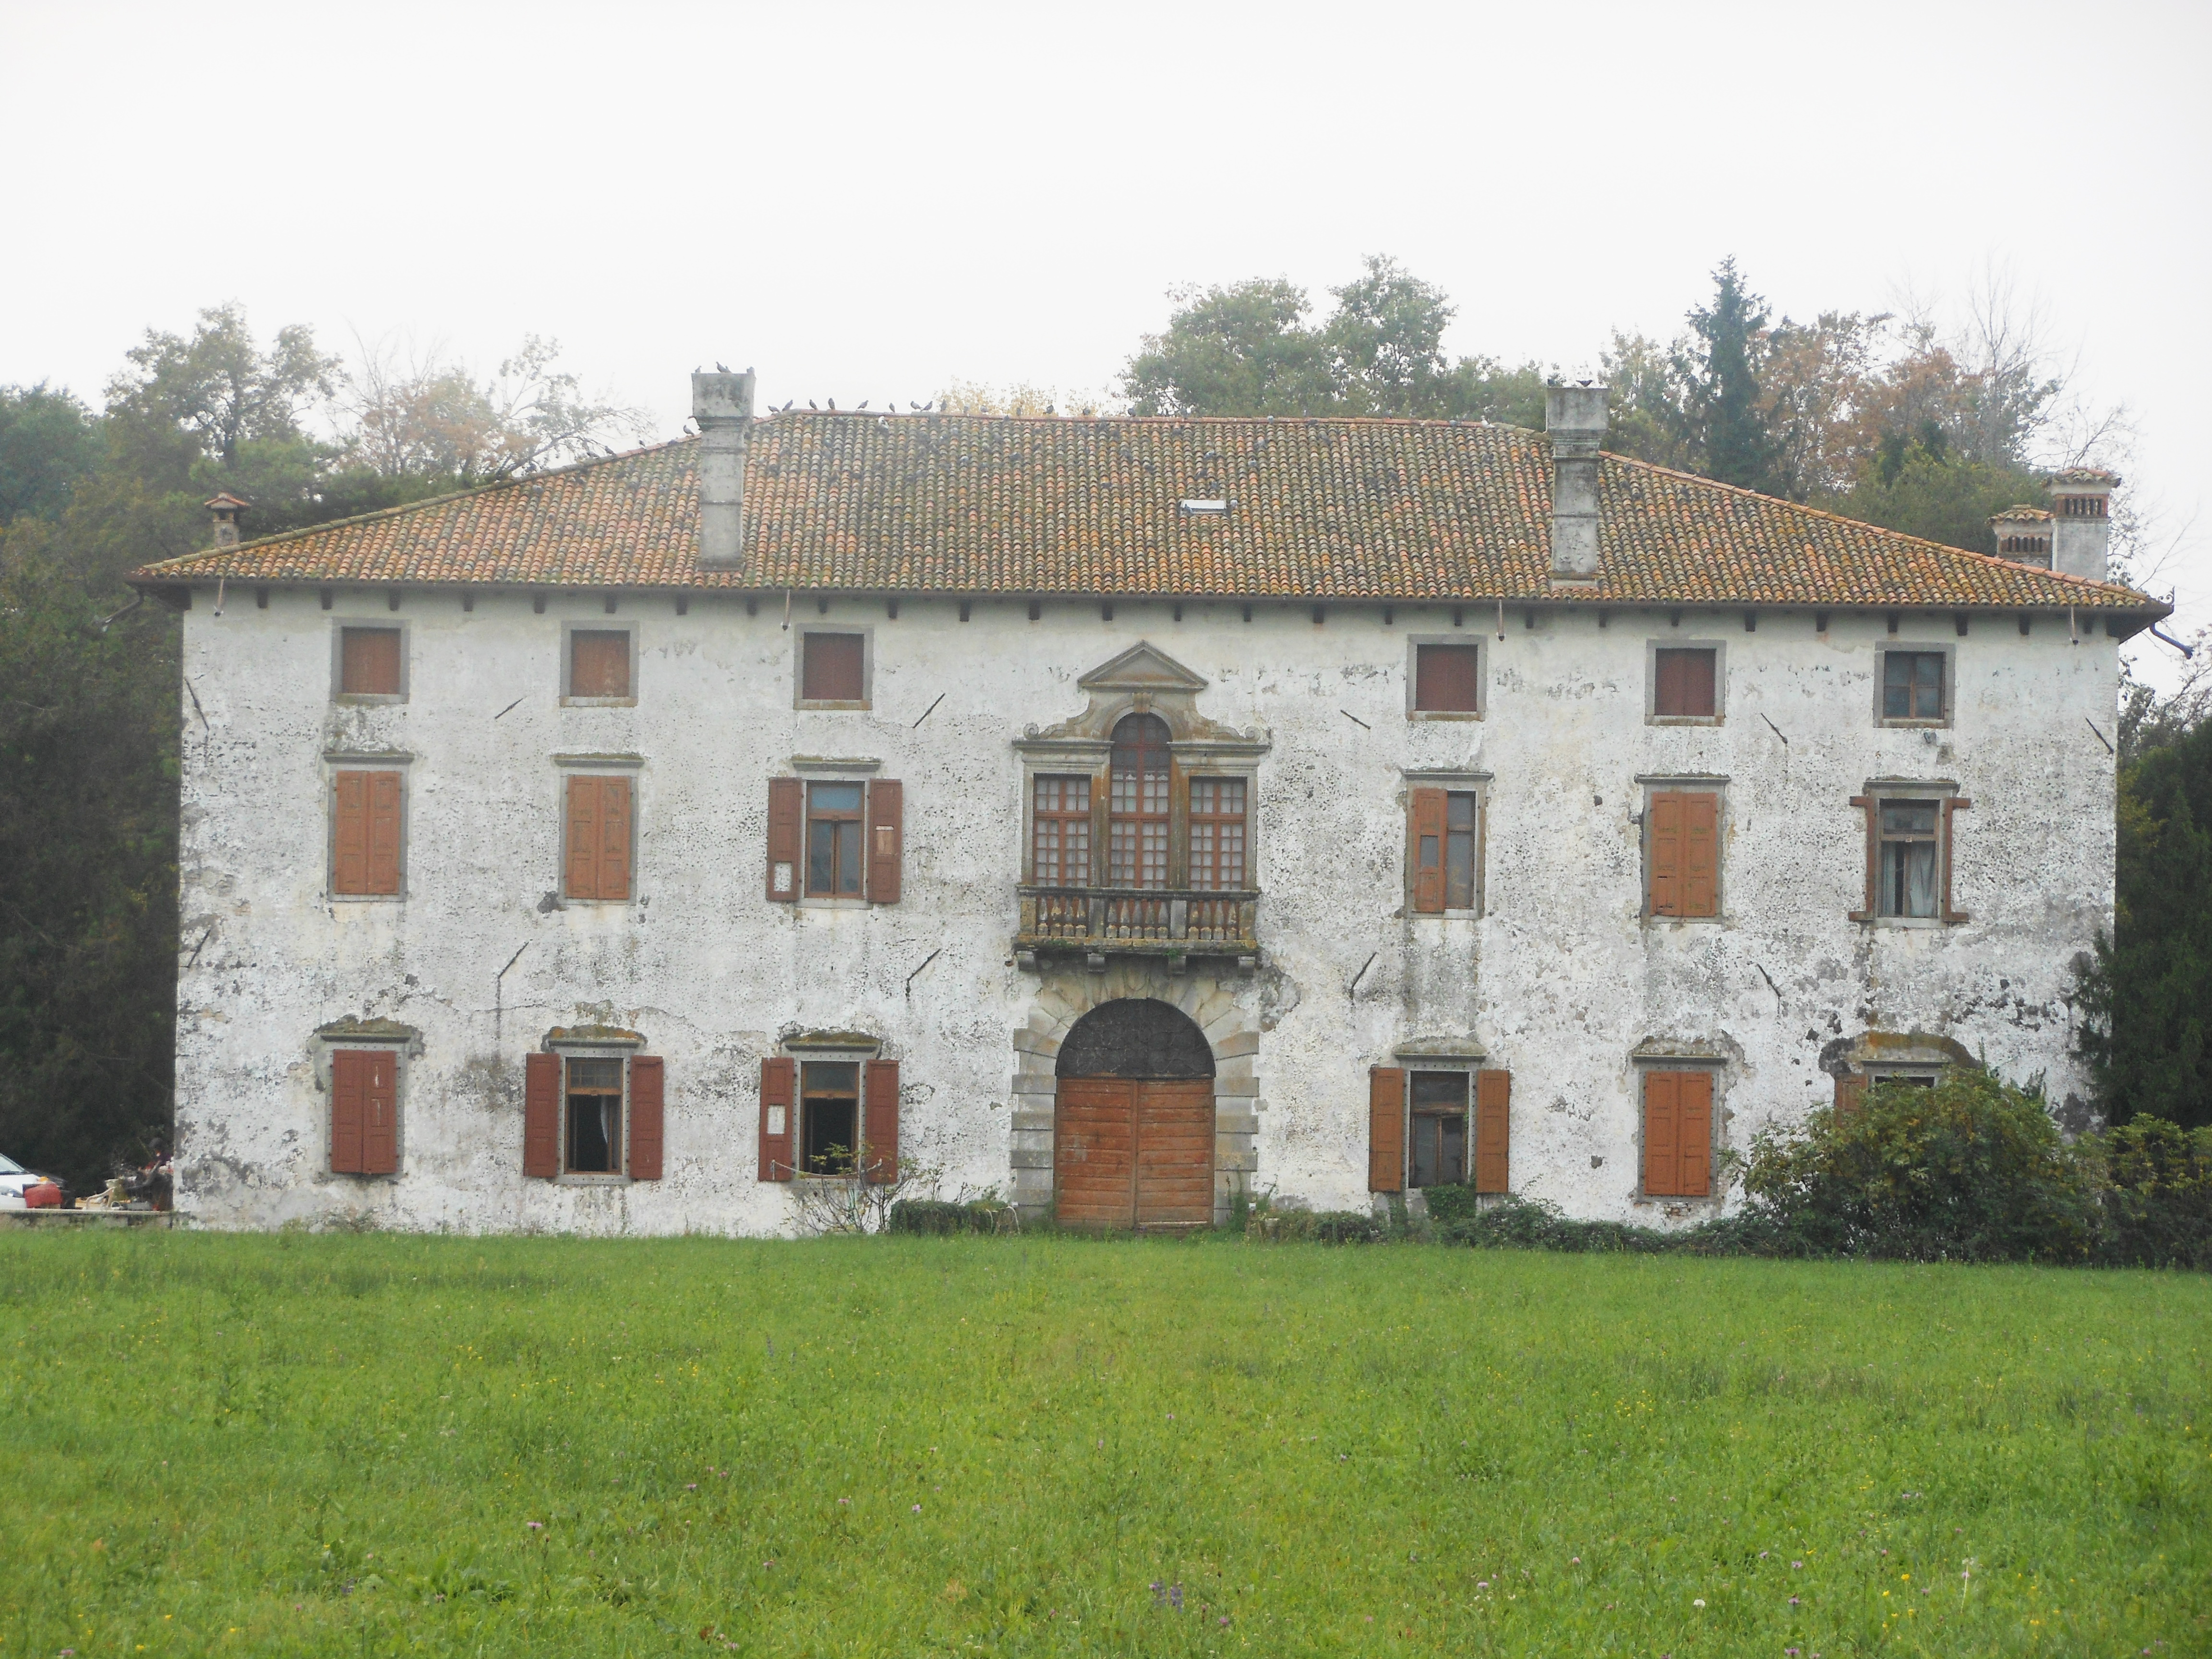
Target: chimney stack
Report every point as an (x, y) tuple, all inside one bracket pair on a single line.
[(2023, 535), (722, 404), (2080, 520), (1574, 416), (225, 509)]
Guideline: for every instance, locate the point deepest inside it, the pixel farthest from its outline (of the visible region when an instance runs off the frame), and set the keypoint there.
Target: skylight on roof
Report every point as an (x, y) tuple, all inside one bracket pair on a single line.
[(1190, 505)]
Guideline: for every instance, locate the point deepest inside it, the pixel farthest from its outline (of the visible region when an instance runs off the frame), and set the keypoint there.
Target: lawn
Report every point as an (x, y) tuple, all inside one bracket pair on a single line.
[(379, 1444)]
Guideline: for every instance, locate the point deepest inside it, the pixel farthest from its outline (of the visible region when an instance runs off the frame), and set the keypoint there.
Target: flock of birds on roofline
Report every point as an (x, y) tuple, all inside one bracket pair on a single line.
[(891, 405)]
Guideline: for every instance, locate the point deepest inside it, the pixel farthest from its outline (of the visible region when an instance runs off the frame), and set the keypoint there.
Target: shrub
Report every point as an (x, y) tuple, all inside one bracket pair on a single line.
[(1321, 1226), (1525, 1223), (945, 1217), (2157, 1193)]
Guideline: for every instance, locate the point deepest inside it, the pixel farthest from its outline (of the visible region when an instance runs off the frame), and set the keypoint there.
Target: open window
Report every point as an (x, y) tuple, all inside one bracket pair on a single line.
[(1908, 854), (1438, 1125), (833, 840), (1437, 1154), (829, 1117), (592, 1098), (594, 1114), (1443, 847)]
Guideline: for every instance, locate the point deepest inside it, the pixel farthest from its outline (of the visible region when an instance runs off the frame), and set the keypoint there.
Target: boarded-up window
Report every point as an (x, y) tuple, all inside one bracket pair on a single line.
[(1683, 684), (365, 836), (368, 662), (1137, 816), (598, 837), (364, 1111), (1386, 1129), (832, 667), (1061, 832), (1445, 680), (1685, 854), (1438, 1122), (1494, 1128), (1216, 834), (881, 1088), (598, 662), (1678, 1134), (779, 1087)]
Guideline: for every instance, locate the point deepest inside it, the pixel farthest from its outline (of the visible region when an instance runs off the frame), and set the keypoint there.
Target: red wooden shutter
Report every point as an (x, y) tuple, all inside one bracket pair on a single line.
[(348, 1087), (383, 832), (583, 838), (614, 839), (779, 1083), (1696, 1180), (1662, 1132), (1667, 693), (1493, 1128), (379, 1115), (541, 1116), (1665, 811), (886, 840), (350, 860), (1444, 680), (1698, 682), (786, 807), (1428, 853), (881, 1133), (1386, 1129), (648, 1086), (1850, 1094), (1700, 867)]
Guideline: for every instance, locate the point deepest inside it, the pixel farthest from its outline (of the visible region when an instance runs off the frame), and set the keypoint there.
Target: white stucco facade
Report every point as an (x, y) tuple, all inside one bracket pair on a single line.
[(1561, 980)]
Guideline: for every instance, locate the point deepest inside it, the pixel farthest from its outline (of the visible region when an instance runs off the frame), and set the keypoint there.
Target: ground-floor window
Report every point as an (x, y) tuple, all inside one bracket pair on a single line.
[(1438, 1154), (595, 1112), (828, 1117), (1678, 1134)]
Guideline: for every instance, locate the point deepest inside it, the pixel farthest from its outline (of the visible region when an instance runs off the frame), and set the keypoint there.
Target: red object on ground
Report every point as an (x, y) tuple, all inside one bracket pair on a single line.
[(44, 1196)]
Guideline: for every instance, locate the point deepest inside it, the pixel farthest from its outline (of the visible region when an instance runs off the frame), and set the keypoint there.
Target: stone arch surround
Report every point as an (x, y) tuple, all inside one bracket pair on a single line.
[(1218, 1006)]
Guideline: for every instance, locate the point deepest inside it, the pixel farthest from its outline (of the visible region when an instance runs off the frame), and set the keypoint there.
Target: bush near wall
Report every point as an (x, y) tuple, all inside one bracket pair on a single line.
[(945, 1217)]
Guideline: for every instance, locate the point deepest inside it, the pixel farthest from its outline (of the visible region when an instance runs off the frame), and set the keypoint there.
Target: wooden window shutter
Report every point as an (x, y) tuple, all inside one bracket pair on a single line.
[(786, 808), (1428, 859), (383, 832), (1665, 811), (349, 847), (1494, 1128), (1663, 1131), (779, 1083), (380, 1112), (1700, 867), (541, 1116), (882, 1130), (1386, 1129), (1668, 694), (886, 840), (583, 874), (1850, 1094), (349, 1107), (1696, 1154), (648, 1094), (614, 849)]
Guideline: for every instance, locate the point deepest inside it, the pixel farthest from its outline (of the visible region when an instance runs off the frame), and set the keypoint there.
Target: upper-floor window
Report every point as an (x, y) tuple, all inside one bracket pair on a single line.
[(596, 837), (1912, 686), (599, 665), (1685, 683), (1908, 881), (1137, 814), (834, 839), (1445, 830), (833, 668), (1682, 848), (1447, 677), (367, 826), (1216, 834), (1061, 853), (371, 662)]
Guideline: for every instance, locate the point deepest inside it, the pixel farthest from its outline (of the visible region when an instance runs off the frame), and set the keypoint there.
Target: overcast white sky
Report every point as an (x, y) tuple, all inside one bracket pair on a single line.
[(871, 201)]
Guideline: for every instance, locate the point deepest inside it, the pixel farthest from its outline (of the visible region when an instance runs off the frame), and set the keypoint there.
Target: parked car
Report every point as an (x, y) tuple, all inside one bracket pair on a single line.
[(13, 1178)]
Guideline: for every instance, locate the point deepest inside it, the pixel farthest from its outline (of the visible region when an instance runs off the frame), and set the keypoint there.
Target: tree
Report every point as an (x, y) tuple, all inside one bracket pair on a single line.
[(1243, 349), (48, 441), (219, 387), (1720, 375)]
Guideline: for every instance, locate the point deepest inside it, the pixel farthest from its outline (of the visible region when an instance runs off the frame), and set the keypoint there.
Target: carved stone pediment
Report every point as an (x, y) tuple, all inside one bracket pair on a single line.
[(1142, 667), (1143, 679)]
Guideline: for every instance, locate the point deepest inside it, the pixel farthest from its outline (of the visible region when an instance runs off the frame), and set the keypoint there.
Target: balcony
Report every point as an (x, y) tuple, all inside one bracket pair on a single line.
[(1170, 923)]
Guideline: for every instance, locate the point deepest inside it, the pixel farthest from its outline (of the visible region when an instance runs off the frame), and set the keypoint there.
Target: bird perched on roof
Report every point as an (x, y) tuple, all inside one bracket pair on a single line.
[(910, 403), (788, 403), (721, 368), (1049, 409), (864, 402), (832, 405), (815, 407)]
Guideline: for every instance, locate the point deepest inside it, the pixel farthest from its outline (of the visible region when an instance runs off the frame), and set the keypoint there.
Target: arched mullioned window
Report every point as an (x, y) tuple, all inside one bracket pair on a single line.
[(1137, 817)]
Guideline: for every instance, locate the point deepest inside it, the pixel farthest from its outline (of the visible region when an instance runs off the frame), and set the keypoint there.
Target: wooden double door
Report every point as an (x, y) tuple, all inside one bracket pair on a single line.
[(1134, 1152)]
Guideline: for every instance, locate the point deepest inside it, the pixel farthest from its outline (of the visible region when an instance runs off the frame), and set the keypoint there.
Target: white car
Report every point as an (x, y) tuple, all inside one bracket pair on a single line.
[(14, 1177)]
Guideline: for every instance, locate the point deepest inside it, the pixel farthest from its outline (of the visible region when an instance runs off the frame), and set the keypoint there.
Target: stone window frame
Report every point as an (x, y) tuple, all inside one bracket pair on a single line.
[(1944, 792), (566, 766), (1452, 781), (570, 627), (811, 771), (1649, 784), (604, 1045), (371, 699), (1652, 647), (1467, 1059), (404, 1044), (1470, 640), (855, 1048), (1948, 652), (799, 631), (1093, 757), (336, 761), (1652, 1058)]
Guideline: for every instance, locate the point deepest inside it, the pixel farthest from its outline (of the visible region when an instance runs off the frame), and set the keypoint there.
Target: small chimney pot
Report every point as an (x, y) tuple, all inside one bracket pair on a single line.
[(225, 509)]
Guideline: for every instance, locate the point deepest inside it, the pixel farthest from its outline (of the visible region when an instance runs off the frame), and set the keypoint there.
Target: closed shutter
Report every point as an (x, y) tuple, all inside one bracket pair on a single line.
[(1695, 1179), (1850, 1094), (349, 1090), (1386, 1129), (1663, 1131), (349, 847), (379, 1114), (882, 1130), (886, 840), (383, 832), (1428, 856), (583, 876), (541, 1116), (787, 805), (1668, 696), (1700, 888), (1665, 811), (647, 1083), (614, 851), (1493, 1126), (779, 1082)]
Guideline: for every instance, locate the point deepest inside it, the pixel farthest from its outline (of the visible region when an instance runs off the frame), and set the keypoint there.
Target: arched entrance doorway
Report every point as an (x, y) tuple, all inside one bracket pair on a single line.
[(1132, 1142)]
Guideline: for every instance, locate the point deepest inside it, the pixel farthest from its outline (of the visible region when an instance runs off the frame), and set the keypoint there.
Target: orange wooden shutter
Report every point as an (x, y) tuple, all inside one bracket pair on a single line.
[(383, 832), (881, 1132), (583, 838), (1386, 1129), (1494, 1128), (349, 859), (1428, 851), (614, 839), (1850, 1094), (1696, 1154), (1700, 867), (647, 1085), (1666, 854), (379, 1113), (886, 840), (541, 1116), (779, 1083), (1663, 1131), (786, 807), (348, 1086)]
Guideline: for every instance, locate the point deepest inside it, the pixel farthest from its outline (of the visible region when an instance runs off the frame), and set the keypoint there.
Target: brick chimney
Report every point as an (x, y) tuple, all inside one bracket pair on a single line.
[(722, 404), (225, 509), (2023, 535), (1574, 416), (2080, 520)]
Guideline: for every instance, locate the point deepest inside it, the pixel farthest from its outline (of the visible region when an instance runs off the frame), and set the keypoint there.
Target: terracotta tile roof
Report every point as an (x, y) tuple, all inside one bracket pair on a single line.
[(1320, 510)]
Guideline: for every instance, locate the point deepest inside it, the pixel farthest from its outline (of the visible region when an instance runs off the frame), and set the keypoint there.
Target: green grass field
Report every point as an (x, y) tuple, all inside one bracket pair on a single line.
[(372, 1445)]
